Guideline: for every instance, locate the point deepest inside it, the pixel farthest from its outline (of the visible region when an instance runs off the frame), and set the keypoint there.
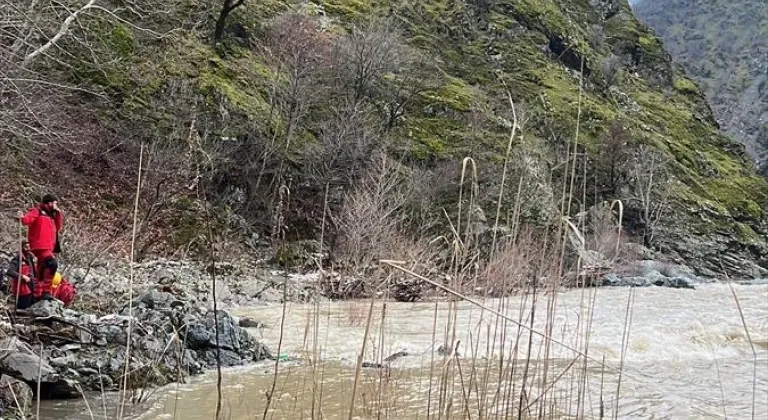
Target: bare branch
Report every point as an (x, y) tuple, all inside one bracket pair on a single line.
[(63, 30)]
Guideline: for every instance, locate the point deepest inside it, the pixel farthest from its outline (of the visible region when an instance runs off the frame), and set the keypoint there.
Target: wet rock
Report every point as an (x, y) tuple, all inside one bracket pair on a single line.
[(23, 363), (395, 356), (228, 357), (15, 394), (247, 322), (681, 282)]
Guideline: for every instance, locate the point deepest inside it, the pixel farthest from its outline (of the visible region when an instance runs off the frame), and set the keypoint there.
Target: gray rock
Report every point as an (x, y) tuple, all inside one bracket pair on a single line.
[(681, 282), (247, 322), (756, 282), (78, 274), (20, 361), (46, 308), (15, 394), (155, 299)]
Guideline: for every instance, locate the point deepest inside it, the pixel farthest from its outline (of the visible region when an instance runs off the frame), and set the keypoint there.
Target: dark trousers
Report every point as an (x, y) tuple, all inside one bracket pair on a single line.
[(25, 301)]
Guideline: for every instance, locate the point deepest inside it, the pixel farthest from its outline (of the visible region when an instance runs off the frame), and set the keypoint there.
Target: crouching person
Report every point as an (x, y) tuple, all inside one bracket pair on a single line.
[(63, 290), (21, 277)]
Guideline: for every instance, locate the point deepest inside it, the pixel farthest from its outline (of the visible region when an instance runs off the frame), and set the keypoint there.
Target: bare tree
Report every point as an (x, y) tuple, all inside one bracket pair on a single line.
[(650, 178), (611, 70), (415, 74), (611, 160), (298, 51), (363, 56)]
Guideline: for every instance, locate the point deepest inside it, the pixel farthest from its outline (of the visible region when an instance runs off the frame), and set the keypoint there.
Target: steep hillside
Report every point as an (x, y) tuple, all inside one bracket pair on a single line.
[(287, 117), (723, 45)]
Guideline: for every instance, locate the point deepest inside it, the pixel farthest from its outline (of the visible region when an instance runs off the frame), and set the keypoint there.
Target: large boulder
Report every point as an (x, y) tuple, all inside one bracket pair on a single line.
[(21, 362), (235, 344)]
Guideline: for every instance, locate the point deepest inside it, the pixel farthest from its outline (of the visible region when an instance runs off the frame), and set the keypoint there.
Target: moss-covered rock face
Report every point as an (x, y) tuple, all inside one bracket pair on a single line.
[(547, 55), (721, 44)]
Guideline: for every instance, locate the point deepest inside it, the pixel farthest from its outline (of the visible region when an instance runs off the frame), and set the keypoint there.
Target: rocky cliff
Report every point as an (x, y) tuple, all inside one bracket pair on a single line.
[(723, 45)]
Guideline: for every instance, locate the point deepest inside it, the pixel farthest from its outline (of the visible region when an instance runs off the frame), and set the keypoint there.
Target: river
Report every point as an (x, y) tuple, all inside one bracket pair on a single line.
[(684, 354)]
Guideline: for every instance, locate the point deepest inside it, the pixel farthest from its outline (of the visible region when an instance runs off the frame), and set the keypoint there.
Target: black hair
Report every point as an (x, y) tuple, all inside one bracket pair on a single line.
[(49, 198), (51, 264)]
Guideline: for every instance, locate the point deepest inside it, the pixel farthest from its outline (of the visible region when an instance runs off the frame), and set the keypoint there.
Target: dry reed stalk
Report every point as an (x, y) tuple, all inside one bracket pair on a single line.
[(749, 338), (528, 350), (39, 378), (432, 361), (316, 314), (102, 395), (21, 411), (85, 400), (126, 368), (360, 356), (383, 379), (719, 380), (624, 345), (513, 132), (602, 382), (271, 393)]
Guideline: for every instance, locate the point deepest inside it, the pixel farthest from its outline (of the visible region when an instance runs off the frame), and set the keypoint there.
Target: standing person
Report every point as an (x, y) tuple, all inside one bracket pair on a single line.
[(45, 220), (22, 283)]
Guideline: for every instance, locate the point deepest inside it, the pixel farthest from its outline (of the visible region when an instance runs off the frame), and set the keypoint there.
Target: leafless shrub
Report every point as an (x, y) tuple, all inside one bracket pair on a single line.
[(365, 55), (611, 70), (517, 265), (604, 234), (369, 221), (650, 180)]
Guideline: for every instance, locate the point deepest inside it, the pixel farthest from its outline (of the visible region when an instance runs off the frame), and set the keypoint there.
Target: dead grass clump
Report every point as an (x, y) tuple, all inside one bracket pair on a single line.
[(513, 266)]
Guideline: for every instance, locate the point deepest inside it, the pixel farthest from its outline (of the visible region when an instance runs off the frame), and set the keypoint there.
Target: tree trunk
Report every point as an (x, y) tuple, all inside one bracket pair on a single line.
[(221, 22)]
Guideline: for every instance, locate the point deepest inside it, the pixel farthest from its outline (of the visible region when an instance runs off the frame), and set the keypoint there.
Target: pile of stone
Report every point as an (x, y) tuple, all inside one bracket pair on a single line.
[(171, 334)]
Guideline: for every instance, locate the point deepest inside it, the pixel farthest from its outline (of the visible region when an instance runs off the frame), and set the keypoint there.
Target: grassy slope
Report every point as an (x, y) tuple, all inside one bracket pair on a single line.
[(719, 193)]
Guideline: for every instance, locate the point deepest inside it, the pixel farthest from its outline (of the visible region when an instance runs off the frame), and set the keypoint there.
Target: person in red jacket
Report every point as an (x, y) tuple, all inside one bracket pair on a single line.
[(45, 220), (22, 283)]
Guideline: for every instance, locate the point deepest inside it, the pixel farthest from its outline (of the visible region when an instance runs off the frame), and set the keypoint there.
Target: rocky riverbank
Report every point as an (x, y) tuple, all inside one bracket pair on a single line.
[(171, 338), (172, 328)]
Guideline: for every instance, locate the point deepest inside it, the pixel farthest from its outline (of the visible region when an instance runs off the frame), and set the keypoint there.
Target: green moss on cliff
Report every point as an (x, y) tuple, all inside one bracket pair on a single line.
[(686, 86), (536, 48)]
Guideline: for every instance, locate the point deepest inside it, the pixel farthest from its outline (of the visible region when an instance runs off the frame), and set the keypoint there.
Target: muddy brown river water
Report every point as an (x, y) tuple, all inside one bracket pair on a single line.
[(686, 356)]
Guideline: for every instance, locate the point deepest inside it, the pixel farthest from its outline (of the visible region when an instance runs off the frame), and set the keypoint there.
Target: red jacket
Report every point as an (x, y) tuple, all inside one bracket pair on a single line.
[(43, 227), (27, 269)]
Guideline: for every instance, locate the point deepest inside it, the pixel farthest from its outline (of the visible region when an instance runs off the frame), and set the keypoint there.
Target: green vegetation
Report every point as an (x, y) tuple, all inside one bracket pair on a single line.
[(296, 101)]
